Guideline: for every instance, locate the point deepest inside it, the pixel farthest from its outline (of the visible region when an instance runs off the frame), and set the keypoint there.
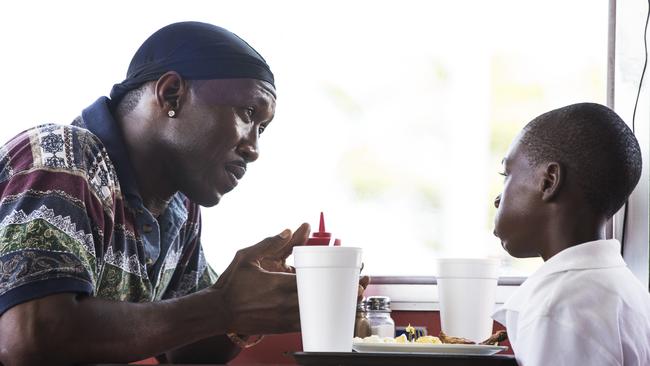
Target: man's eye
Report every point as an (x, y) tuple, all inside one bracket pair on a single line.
[(504, 174), (250, 112), (261, 129)]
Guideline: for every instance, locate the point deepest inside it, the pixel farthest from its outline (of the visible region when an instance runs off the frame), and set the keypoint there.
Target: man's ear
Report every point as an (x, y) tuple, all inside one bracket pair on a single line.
[(552, 180), (170, 91)]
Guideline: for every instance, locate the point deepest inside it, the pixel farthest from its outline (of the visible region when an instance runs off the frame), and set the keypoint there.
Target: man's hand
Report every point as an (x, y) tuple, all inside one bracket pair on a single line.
[(363, 284), (278, 263), (259, 290)]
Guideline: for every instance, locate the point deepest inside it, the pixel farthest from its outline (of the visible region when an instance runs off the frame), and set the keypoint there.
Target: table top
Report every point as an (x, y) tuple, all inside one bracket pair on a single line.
[(401, 359), (388, 359)]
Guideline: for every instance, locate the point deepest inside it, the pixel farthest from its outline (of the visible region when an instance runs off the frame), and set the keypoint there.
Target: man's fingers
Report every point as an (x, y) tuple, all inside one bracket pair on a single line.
[(299, 237), (364, 282), (301, 234), (254, 252), (268, 247)]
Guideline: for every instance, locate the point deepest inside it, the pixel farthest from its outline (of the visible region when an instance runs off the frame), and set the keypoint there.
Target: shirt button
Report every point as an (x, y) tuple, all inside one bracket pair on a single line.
[(147, 228), (139, 211), (149, 261)]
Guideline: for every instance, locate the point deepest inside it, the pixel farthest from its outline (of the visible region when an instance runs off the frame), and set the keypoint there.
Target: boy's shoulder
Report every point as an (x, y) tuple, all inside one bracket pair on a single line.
[(586, 293), (587, 275)]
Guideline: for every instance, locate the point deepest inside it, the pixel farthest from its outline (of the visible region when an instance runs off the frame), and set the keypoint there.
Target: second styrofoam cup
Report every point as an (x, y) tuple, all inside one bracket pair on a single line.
[(467, 294)]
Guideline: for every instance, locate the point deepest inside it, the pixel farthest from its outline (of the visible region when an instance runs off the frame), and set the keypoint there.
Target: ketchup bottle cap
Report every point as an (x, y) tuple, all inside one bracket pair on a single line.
[(322, 237)]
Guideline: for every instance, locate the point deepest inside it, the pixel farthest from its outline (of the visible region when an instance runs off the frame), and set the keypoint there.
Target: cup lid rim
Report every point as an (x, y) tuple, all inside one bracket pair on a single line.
[(324, 247)]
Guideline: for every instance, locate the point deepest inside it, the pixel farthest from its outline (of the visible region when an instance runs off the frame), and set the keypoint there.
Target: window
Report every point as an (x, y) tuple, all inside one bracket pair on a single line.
[(392, 116), (627, 68), (397, 118)]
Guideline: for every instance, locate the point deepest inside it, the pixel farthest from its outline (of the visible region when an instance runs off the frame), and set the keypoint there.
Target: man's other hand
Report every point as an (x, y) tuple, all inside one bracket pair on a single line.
[(363, 284), (259, 290)]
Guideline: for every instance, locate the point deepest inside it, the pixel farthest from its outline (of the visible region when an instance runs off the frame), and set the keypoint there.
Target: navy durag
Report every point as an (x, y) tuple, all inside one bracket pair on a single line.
[(195, 50)]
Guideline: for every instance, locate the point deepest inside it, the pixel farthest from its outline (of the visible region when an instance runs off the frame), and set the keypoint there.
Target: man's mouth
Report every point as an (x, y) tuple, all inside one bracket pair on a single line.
[(237, 169)]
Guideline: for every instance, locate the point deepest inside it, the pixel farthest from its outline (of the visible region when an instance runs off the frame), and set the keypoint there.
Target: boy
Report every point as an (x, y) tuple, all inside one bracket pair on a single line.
[(566, 174)]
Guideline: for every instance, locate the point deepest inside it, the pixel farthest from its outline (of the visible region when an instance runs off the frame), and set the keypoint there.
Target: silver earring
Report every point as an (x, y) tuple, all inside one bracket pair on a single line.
[(171, 113)]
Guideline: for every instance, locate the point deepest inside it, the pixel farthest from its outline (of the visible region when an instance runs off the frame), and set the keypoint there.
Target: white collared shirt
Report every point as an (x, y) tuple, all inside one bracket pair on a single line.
[(581, 307)]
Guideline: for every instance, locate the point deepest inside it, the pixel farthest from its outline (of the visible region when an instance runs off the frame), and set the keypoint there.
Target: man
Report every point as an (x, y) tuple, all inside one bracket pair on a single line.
[(100, 253), (566, 174)]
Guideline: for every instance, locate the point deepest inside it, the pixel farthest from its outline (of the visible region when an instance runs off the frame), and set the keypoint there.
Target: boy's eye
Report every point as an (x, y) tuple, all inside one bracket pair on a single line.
[(504, 174), (261, 129)]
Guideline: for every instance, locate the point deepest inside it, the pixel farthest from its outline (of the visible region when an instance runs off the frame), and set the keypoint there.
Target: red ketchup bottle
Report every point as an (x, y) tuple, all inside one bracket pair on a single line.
[(322, 237)]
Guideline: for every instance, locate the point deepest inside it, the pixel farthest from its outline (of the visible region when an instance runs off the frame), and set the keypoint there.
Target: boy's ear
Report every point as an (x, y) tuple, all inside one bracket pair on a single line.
[(552, 180)]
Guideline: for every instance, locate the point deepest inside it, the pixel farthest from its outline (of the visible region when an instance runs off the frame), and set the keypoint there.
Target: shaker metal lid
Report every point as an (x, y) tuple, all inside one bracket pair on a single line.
[(378, 303)]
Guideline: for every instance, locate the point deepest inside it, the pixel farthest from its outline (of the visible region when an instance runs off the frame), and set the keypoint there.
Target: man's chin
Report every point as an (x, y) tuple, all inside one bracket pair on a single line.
[(211, 203), (207, 200), (214, 199)]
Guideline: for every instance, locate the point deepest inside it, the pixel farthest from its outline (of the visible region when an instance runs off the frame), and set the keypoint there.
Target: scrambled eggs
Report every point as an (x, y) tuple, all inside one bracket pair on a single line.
[(400, 339)]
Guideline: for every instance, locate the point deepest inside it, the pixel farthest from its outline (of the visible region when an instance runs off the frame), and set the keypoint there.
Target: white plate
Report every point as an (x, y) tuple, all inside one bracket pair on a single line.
[(461, 349)]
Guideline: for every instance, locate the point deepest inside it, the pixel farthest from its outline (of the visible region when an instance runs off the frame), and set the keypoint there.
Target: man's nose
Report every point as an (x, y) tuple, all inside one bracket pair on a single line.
[(497, 201), (248, 147)]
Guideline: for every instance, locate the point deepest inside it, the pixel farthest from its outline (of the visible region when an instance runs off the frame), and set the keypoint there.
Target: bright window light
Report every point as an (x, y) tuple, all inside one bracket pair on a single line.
[(392, 116)]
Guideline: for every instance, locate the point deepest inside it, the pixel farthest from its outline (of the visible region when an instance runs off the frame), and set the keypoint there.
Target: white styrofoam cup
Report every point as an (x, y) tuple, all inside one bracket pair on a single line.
[(467, 294), (328, 279)]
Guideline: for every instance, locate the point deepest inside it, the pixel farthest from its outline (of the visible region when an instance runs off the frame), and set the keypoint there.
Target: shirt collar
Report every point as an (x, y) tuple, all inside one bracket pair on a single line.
[(589, 255), (99, 120)]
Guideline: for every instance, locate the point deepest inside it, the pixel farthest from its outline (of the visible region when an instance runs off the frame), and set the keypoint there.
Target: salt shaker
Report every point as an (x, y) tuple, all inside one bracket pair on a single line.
[(381, 323)]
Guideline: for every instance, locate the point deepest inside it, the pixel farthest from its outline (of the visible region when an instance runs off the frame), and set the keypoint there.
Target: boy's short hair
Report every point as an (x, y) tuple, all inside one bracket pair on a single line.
[(597, 149)]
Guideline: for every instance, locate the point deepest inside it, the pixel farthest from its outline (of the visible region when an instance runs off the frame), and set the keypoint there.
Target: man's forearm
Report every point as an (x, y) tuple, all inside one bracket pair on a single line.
[(217, 349), (65, 329)]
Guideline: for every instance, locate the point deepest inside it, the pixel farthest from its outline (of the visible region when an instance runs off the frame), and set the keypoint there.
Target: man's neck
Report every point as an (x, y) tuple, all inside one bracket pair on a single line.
[(147, 160)]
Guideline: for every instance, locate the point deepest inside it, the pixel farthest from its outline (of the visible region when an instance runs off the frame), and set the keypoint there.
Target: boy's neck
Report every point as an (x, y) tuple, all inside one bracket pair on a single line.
[(569, 230)]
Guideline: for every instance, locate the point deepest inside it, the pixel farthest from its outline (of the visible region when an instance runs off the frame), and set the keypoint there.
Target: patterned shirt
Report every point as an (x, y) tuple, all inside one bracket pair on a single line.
[(71, 220)]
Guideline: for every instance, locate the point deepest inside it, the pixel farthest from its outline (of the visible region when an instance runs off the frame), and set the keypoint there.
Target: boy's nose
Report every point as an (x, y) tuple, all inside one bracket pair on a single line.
[(497, 201)]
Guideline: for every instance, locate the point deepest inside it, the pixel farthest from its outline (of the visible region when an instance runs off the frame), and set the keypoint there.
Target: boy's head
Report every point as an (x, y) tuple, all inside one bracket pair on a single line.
[(580, 159)]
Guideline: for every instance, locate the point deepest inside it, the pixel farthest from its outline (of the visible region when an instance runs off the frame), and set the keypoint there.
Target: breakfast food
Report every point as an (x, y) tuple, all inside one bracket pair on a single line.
[(375, 339), (495, 338), (428, 339), (401, 339), (453, 340), (411, 337)]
